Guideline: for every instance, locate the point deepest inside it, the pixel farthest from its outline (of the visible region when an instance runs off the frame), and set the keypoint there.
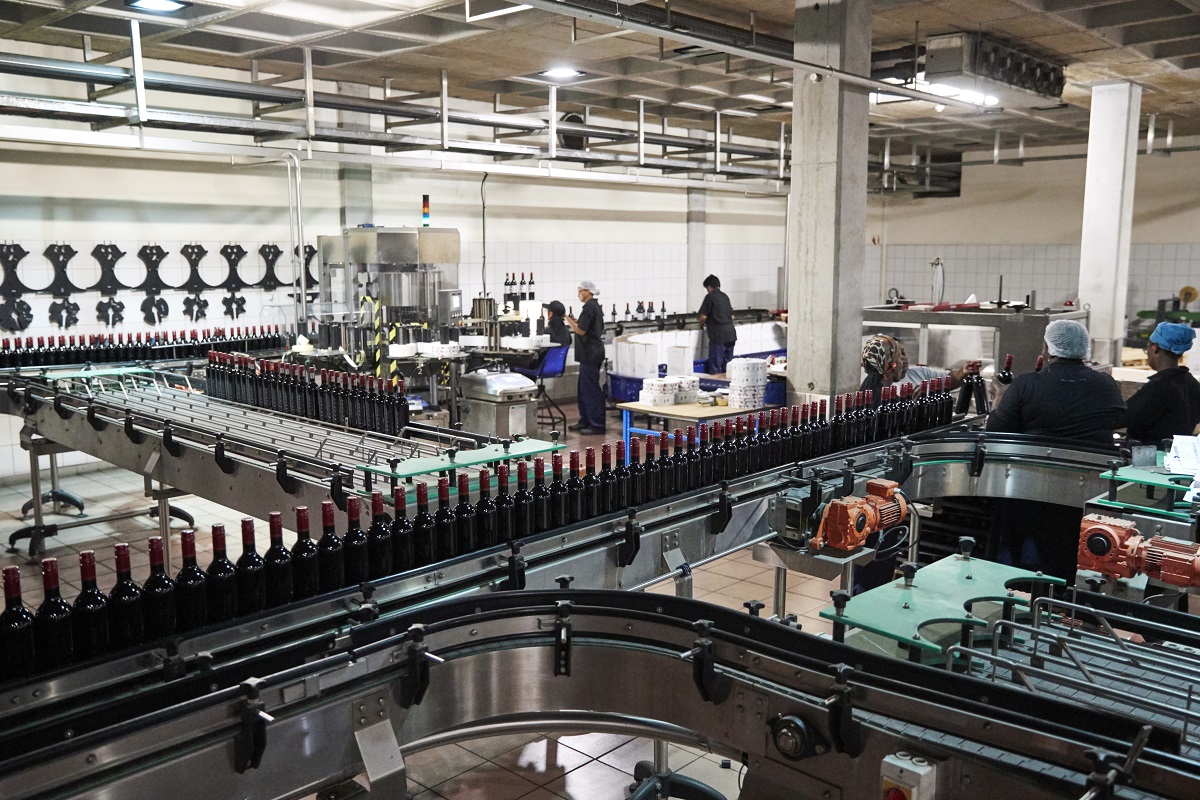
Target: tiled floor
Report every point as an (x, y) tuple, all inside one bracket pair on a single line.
[(581, 767)]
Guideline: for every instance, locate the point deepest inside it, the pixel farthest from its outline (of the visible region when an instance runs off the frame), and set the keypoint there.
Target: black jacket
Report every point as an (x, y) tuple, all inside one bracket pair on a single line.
[(558, 331), (1168, 405), (589, 348), (1067, 400)]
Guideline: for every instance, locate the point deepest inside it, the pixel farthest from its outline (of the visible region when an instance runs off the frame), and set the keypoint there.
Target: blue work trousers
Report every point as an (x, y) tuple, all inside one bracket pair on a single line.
[(591, 396)]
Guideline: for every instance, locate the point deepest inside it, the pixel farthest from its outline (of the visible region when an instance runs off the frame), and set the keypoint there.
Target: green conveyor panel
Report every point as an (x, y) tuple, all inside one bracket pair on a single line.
[(939, 594)]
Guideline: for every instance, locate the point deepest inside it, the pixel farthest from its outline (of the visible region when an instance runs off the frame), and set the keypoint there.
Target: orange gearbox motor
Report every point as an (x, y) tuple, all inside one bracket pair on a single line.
[(848, 521), (1113, 547)]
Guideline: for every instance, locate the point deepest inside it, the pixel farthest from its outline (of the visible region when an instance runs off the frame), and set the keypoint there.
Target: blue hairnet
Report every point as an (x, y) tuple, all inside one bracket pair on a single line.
[(1173, 336), (1066, 338)]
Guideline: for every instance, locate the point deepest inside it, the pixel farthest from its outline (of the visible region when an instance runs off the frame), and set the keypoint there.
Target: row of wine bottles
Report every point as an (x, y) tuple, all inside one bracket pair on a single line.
[(154, 345), (361, 401), (516, 293)]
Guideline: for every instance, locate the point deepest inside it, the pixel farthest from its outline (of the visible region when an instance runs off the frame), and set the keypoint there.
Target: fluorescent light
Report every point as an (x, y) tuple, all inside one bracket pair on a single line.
[(490, 10), (562, 73), (157, 6)]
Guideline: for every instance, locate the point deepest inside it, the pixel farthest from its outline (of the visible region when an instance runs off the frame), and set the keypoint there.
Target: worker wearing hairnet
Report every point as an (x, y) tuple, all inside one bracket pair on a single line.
[(1169, 404), (1066, 400), (589, 352)]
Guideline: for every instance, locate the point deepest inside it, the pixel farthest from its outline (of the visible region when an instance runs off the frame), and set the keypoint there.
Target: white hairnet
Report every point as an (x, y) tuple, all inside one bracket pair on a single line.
[(1066, 338)]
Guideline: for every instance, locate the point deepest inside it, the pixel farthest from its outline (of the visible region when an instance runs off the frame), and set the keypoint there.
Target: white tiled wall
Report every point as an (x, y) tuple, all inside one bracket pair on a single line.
[(749, 273)]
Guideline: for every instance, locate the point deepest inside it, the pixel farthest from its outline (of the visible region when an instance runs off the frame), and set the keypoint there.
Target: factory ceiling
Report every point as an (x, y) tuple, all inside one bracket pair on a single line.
[(494, 51)]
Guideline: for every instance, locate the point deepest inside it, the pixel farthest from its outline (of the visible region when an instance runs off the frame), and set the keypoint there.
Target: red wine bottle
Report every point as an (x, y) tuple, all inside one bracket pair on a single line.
[(251, 574), (619, 500), (523, 502), (89, 613), (575, 508), (637, 474), (653, 471), (306, 558), (541, 497), (402, 532), (705, 454), (692, 459), (506, 508), (466, 533), (797, 450), (591, 485), (718, 450), (680, 462), (423, 529), (737, 450), (485, 512), (52, 641), (379, 541), (158, 595), (355, 546), (191, 588), (1005, 376), (1041, 360), (277, 565), (666, 467), (558, 493), (331, 568), (870, 417), (126, 626), (608, 482), (17, 658), (445, 524)]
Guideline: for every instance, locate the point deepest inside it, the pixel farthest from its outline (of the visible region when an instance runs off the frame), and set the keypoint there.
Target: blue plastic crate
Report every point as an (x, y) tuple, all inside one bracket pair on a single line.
[(624, 389)]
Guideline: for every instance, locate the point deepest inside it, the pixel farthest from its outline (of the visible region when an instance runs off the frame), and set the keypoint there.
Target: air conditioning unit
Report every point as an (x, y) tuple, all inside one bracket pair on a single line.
[(971, 62)]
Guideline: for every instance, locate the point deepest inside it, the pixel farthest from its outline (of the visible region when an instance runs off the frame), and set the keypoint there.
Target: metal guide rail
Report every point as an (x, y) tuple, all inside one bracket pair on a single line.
[(253, 460), (807, 717)]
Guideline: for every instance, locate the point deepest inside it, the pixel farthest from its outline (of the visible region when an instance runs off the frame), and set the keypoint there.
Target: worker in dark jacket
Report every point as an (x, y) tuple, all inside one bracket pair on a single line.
[(1169, 404), (556, 328), (716, 315), (589, 352), (1066, 400)]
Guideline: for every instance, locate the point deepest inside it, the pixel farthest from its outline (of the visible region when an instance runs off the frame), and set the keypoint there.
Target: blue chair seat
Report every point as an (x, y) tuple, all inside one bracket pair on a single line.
[(552, 365)]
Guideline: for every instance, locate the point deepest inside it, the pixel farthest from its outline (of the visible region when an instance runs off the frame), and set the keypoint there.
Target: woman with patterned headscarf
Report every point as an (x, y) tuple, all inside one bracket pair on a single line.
[(886, 363)]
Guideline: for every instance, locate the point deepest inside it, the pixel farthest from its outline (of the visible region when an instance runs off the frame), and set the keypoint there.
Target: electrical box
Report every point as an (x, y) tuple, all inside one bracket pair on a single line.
[(907, 777)]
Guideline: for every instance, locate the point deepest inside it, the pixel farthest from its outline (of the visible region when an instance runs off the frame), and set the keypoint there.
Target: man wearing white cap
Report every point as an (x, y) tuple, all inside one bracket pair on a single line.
[(589, 352), (1066, 400)]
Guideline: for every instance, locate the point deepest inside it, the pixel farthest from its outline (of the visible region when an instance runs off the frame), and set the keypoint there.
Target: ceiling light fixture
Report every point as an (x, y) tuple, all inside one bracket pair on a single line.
[(158, 6), (562, 73)]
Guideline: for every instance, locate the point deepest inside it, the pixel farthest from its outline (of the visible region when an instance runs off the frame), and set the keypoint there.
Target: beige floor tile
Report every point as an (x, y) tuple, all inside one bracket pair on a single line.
[(813, 587), (493, 746), (723, 600), (709, 772), (543, 761), (737, 569), (704, 581), (432, 767), (594, 781), (593, 744), (486, 782), (626, 757)]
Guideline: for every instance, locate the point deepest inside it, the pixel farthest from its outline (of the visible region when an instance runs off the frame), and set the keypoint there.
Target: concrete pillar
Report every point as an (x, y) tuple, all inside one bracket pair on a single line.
[(357, 197), (1108, 214), (697, 268), (828, 205)]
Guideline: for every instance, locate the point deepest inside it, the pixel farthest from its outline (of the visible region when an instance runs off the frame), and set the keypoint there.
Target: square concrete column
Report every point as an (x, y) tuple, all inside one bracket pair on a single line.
[(1108, 215), (828, 204)]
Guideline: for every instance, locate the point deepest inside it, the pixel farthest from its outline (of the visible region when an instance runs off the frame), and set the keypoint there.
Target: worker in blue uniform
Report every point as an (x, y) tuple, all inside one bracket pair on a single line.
[(1169, 404), (589, 352)]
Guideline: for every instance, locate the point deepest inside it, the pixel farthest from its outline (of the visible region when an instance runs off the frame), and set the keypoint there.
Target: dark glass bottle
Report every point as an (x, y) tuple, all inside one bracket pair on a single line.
[(870, 418), (191, 588), (772, 442), (485, 512), (331, 566), (17, 658), (653, 472), (532, 511), (885, 415), (591, 485), (836, 424), (445, 524), (637, 474), (824, 430), (306, 559), (558, 493), (803, 436), (221, 577), (465, 524), (608, 481), (680, 462), (705, 454), (278, 563), (1005, 376), (668, 474), (1041, 361), (691, 460), (126, 626), (506, 508), (158, 595), (89, 613), (379, 541), (53, 644), (575, 507), (784, 431), (760, 452), (718, 450), (403, 558), (251, 574), (740, 447), (356, 554), (424, 531)]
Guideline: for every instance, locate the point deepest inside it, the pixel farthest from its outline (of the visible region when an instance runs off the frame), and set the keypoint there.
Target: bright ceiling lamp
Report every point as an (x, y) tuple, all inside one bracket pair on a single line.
[(562, 73), (157, 6)]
